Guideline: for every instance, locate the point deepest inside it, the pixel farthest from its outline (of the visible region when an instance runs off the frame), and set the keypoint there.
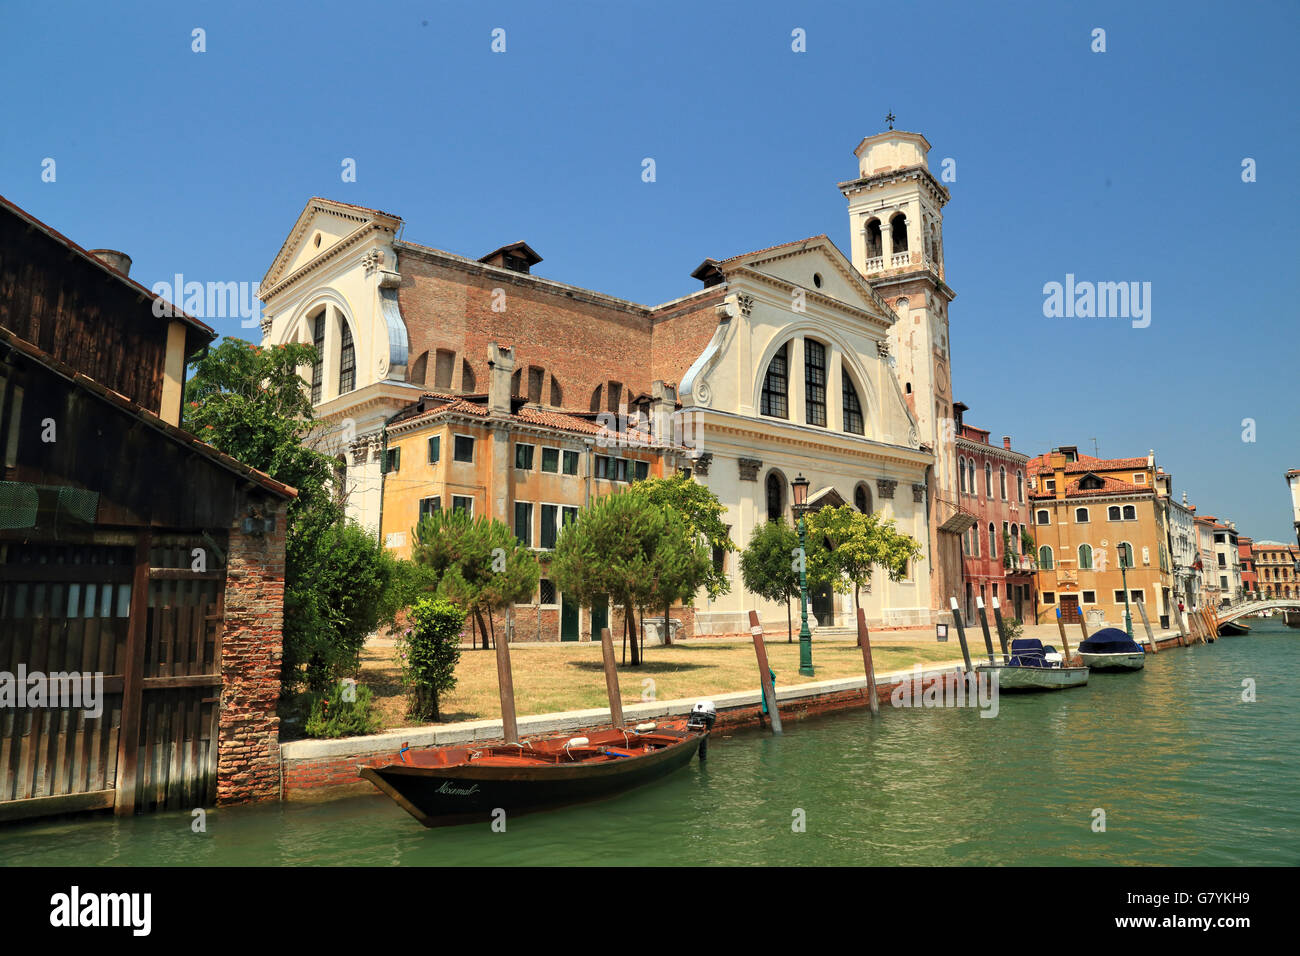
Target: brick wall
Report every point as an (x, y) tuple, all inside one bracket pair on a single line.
[(248, 758)]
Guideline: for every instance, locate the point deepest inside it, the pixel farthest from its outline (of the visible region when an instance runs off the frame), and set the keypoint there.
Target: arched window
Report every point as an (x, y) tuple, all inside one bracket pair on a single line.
[(776, 385), (557, 395), (1020, 486), (993, 541), (467, 379), (1015, 538), (1043, 517), (1124, 553), (596, 396), (988, 480), (862, 499), (874, 248), (1045, 558), (814, 382), (1002, 481), (318, 363), (1080, 515), (775, 496), (898, 232), (1130, 513), (970, 476), (347, 358), (1085, 557), (852, 407), (961, 471)]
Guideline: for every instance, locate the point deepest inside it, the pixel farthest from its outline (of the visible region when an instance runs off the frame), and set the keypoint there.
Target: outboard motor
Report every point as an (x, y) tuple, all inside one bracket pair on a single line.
[(703, 714)]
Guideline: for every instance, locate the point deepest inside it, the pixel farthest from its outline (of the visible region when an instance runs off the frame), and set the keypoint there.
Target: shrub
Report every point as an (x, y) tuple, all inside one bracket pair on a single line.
[(1012, 628), (428, 652), (331, 715)]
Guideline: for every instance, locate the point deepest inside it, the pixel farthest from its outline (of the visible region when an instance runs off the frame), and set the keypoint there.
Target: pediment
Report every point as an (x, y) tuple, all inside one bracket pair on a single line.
[(322, 224), (805, 262)]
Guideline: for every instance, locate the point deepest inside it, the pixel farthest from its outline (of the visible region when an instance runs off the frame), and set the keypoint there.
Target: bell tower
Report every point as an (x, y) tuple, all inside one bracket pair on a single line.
[(896, 237)]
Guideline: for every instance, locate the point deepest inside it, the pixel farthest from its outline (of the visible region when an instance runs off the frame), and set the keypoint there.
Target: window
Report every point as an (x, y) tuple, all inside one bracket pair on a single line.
[(642, 470), (435, 449), (462, 503), (430, 506), (603, 469), (1124, 554), (1020, 486), (1045, 558), (719, 560), (1223, 581), (993, 542), (862, 499), (545, 591), (1119, 597), (814, 382), (347, 358), (775, 497), (1137, 597), (1049, 597), (1002, 481), (463, 448), (1140, 478), (1051, 485), (1085, 557), (1130, 513), (1089, 597), (852, 407), (392, 460), (1080, 515), (568, 516), (1043, 517), (621, 469), (1112, 513), (524, 522), (550, 460), (550, 526), (961, 472), (965, 543), (970, 471), (318, 363), (570, 462), (524, 457), (1015, 538), (776, 385)]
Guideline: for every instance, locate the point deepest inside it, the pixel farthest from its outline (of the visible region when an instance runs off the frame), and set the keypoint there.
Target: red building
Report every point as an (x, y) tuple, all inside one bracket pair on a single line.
[(996, 563), (1249, 579)]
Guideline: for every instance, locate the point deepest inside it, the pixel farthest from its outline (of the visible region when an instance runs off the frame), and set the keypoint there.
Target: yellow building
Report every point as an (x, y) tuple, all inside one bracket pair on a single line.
[(1086, 512), (529, 467)]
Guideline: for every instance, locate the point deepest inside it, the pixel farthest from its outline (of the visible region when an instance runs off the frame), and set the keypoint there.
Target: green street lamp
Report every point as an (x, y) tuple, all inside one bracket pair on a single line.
[(1123, 573), (800, 486)]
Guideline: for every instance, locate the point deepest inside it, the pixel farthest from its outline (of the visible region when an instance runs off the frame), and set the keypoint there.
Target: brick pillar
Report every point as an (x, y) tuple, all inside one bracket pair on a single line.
[(248, 756)]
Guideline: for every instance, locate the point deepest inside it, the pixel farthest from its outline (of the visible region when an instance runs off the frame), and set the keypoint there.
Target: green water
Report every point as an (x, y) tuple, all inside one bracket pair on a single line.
[(1186, 772)]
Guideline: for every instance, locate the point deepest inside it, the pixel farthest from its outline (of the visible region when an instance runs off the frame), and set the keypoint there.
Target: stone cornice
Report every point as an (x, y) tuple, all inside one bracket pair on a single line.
[(995, 451), (752, 434), (938, 191), (349, 241)]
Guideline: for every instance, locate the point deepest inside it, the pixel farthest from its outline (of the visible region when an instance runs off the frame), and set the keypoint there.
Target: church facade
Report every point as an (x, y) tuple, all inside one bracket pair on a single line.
[(792, 360)]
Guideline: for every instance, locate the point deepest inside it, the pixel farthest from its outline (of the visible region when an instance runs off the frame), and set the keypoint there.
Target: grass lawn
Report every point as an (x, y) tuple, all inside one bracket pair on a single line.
[(557, 677)]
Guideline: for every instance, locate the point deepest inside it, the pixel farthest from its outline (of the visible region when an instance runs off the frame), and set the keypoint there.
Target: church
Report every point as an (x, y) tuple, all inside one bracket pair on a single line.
[(496, 386)]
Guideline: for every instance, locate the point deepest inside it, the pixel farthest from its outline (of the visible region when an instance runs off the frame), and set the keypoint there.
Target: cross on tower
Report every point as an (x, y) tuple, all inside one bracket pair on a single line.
[(889, 118)]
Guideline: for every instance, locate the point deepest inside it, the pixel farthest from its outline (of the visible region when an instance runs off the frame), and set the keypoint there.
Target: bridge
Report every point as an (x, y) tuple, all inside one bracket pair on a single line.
[(1235, 611)]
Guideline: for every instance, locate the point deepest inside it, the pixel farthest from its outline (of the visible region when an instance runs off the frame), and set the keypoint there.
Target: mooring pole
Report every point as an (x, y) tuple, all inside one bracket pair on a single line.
[(611, 679), (1146, 622), (961, 634), (864, 641), (1083, 625), (764, 673), (984, 624), (1002, 634), (1065, 641), (506, 684)]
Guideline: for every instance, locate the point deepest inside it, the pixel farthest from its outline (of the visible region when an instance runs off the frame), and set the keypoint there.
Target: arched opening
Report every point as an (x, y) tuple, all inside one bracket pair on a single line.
[(874, 247), (814, 382), (467, 379), (961, 472), (317, 325), (898, 233), (557, 395), (613, 395), (1045, 558), (1085, 557), (775, 496), (776, 385), (993, 541), (1002, 481), (862, 498), (853, 421), (420, 368), (595, 397), (444, 363), (988, 480), (347, 358)]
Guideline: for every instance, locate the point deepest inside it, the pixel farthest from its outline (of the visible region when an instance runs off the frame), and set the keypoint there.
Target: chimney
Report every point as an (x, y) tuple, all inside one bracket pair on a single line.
[(1058, 473), (663, 402), (114, 260), (1006, 442), (501, 366), (1184, 499)]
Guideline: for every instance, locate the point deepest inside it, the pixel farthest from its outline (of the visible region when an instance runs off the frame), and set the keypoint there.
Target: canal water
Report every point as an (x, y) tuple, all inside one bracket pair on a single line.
[(1185, 771)]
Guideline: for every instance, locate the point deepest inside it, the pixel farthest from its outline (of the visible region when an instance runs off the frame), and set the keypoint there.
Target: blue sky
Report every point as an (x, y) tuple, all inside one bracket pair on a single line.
[(1115, 166)]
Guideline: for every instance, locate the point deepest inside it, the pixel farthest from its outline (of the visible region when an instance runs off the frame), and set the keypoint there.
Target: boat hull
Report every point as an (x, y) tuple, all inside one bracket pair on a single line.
[(447, 796), (1029, 679), (1115, 662), (1233, 629)]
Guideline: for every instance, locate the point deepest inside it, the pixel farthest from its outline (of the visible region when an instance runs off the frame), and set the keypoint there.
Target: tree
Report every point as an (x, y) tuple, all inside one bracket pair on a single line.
[(631, 550), (476, 562), (701, 511), (250, 402), (767, 565), (428, 652), (854, 544)]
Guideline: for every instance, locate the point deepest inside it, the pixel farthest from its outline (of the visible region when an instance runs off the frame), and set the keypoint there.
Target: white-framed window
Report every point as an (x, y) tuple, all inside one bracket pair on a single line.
[(546, 593), (524, 457), (463, 448), (1140, 478), (1080, 515), (1045, 558), (1089, 597), (1130, 513), (1085, 557), (570, 462), (430, 506), (463, 503), (1043, 517), (1002, 481), (435, 449), (524, 522), (550, 460), (1020, 486), (1124, 554)]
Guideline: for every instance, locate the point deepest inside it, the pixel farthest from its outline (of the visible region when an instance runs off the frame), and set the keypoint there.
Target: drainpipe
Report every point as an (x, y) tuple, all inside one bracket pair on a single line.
[(591, 450)]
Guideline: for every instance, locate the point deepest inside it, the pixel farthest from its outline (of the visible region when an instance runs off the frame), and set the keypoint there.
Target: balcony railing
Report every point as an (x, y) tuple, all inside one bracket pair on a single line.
[(900, 259)]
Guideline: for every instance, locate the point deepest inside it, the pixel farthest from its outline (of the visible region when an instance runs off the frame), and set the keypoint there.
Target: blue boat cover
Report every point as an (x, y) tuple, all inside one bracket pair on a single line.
[(1027, 652), (1110, 640)]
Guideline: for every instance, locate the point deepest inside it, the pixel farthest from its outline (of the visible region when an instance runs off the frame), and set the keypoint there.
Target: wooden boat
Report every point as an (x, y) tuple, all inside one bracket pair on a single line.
[(1233, 629), (1111, 649), (466, 784), (1031, 668)]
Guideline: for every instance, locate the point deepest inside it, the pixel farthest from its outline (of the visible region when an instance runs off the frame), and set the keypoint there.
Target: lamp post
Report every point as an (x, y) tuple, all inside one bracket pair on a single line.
[(800, 487), (1123, 573)]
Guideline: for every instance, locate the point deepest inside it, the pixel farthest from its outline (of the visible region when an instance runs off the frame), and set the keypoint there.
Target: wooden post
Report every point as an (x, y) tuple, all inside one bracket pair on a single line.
[(1002, 634), (506, 684), (1083, 626), (961, 634), (764, 672), (1146, 622), (1065, 641), (128, 742), (864, 641), (984, 624), (611, 679)]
